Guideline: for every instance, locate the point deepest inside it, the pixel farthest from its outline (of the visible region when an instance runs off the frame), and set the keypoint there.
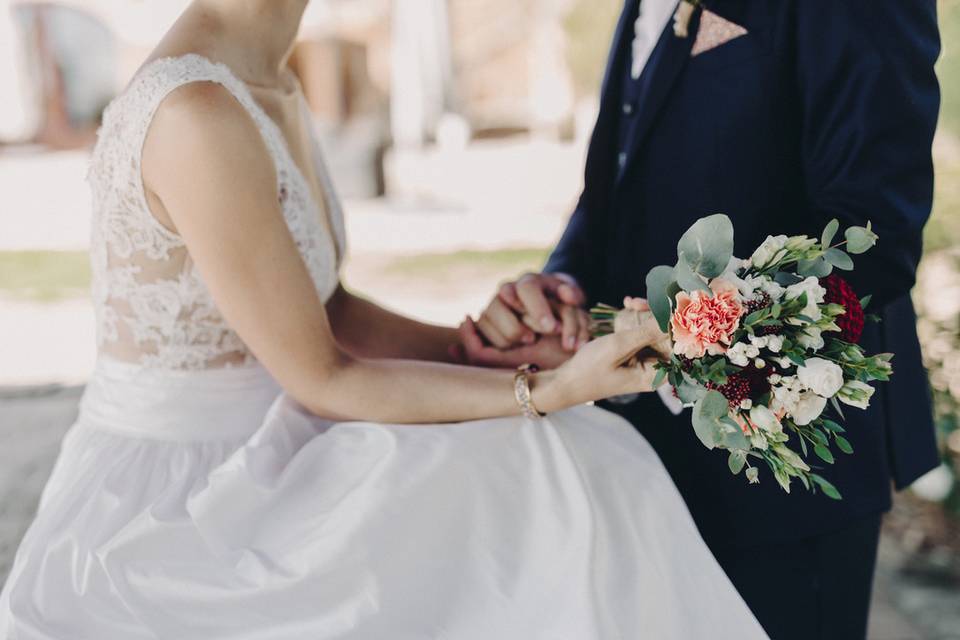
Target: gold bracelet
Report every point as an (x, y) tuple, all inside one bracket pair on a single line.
[(521, 390)]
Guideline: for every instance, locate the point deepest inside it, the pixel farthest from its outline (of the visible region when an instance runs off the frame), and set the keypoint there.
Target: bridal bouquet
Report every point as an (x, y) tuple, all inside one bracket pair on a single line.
[(764, 349)]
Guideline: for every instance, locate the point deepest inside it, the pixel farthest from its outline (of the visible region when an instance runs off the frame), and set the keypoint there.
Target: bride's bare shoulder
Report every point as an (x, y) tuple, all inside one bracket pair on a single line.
[(202, 127)]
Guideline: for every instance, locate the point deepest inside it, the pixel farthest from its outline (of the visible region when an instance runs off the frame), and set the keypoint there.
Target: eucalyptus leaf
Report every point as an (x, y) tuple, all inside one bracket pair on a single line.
[(829, 232), (735, 440), (785, 278), (860, 239), (706, 418), (689, 391), (659, 378), (818, 267), (839, 259), (736, 461), (687, 279), (707, 246), (659, 280)]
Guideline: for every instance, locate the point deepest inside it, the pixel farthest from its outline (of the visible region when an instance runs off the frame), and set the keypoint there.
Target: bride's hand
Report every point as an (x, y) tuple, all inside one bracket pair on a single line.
[(617, 364)]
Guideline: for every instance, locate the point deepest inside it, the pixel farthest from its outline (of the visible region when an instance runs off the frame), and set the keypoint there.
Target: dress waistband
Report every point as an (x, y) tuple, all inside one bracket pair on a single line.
[(210, 404)]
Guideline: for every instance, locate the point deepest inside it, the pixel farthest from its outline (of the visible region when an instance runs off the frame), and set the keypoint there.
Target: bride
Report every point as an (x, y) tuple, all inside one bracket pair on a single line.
[(199, 495)]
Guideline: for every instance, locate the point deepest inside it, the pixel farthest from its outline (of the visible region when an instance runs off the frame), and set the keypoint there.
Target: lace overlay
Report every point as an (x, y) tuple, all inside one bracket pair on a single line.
[(152, 307)]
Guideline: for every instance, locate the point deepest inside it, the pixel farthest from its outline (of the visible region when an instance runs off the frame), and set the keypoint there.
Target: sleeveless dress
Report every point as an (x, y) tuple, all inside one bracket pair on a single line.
[(193, 500)]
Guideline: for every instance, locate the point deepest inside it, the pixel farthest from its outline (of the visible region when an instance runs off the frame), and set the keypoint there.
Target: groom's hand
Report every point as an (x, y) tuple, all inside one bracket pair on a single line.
[(545, 352), (537, 304)]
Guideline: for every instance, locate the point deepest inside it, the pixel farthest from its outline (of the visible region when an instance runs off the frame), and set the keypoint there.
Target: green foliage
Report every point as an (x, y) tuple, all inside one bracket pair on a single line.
[(707, 246), (658, 283), (44, 276), (707, 413)]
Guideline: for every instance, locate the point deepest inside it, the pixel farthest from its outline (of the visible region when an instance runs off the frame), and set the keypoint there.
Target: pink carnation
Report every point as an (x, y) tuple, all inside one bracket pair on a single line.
[(705, 323)]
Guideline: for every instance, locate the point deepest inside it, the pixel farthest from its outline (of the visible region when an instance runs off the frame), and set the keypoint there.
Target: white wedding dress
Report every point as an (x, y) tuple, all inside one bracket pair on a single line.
[(193, 500)]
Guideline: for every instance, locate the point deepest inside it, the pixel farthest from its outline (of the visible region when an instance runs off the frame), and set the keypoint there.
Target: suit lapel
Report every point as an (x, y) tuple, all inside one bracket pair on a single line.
[(669, 59)]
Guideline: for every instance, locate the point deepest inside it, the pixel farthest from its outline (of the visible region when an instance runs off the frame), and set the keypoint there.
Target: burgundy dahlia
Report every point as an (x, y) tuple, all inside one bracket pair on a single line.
[(840, 292)]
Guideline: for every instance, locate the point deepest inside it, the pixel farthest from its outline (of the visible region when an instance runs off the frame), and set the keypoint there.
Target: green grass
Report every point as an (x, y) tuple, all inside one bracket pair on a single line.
[(480, 263), (948, 67), (44, 276)]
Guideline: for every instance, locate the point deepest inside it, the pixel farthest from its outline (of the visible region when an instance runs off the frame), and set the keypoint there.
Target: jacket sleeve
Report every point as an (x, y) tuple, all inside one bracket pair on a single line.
[(577, 252), (869, 100)]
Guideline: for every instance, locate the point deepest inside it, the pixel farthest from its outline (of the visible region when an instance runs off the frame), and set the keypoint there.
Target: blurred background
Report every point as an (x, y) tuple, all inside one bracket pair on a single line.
[(459, 179)]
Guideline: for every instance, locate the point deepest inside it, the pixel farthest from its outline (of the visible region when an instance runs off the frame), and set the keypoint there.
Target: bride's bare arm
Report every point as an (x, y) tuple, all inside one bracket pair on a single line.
[(366, 329), (208, 171)]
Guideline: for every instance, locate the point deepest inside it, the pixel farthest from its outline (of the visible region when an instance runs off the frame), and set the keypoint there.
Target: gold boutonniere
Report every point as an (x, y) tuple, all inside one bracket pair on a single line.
[(681, 19)]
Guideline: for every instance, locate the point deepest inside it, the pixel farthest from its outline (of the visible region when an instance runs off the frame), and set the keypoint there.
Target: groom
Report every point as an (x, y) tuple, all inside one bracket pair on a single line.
[(782, 114)]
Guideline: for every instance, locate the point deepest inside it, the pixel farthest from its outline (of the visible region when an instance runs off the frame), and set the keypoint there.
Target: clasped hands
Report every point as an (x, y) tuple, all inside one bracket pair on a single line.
[(539, 318)]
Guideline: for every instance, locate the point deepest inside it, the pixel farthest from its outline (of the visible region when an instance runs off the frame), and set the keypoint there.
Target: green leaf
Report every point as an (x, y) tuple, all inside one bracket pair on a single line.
[(785, 278), (706, 418), (839, 259), (735, 439), (860, 239), (836, 406), (829, 232), (689, 391), (823, 453), (756, 316), (687, 279), (865, 300), (659, 280), (736, 461), (659, 378), (843, 444), (818, 267), (707, 246), (830, 425), (828, 489)]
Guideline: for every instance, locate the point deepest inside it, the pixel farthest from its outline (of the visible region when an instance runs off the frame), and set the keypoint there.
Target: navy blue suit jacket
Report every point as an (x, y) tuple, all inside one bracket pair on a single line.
[(825, 109)]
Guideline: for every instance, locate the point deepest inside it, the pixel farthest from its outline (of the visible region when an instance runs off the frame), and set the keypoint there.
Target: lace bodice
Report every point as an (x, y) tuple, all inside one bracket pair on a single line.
[(152, 307)]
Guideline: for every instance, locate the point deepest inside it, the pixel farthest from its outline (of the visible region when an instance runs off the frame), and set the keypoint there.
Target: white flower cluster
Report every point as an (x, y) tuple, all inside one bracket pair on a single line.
[(742, 353), (804, 396)]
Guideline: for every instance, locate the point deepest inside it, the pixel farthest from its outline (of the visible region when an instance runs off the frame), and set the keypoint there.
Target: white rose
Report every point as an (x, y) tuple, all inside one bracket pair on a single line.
[(811, 338), (809, 408), (856, 394), (741, 353), (768, 251), (765, 419), (821, 376), (815, 295)]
